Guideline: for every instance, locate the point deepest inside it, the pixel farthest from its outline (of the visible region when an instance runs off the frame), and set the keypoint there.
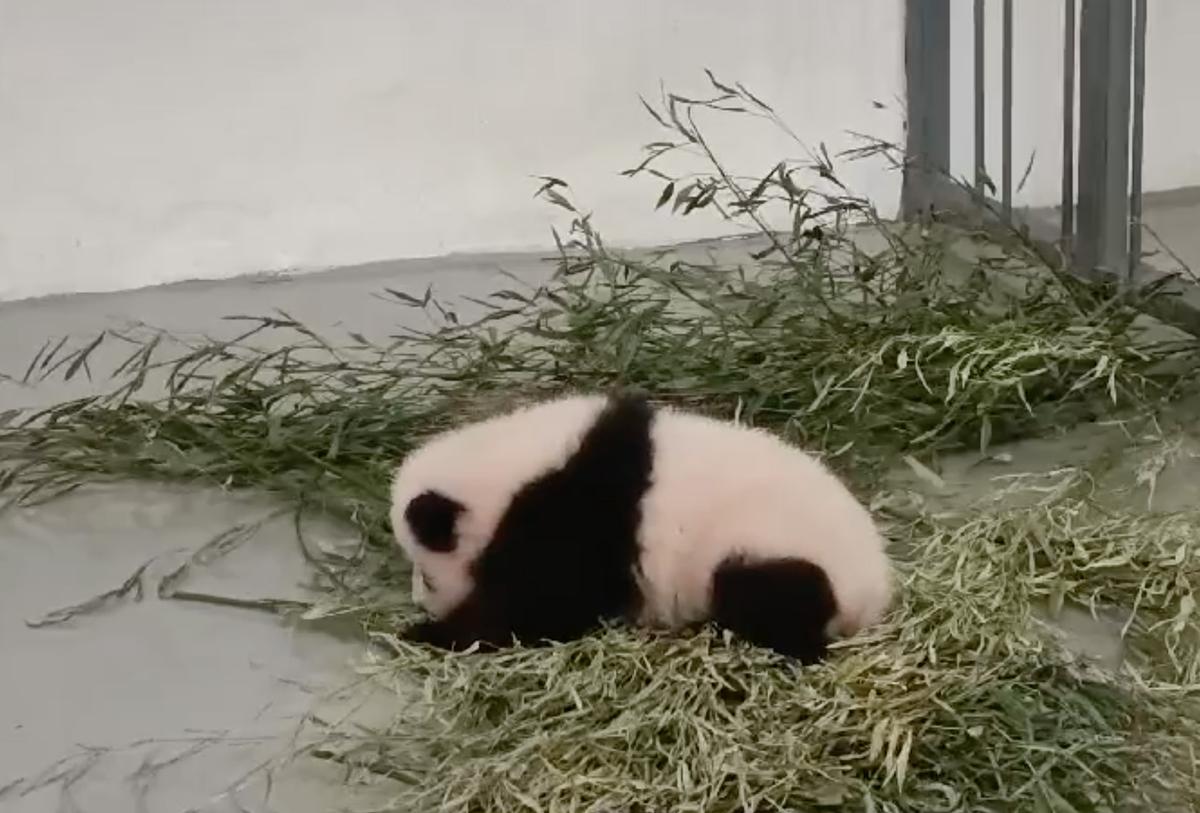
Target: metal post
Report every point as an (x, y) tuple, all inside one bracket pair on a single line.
[(1006, 111), (1104, 56), (927, 71), (980, 122), (1135, 158), (1068, 143)]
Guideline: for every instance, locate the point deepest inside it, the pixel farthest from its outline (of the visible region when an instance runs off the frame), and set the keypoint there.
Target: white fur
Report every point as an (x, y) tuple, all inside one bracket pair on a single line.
[(718, 489)]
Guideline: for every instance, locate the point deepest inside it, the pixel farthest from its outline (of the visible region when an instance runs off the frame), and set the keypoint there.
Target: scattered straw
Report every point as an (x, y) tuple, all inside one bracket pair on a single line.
[(964, 700), (131, 587)]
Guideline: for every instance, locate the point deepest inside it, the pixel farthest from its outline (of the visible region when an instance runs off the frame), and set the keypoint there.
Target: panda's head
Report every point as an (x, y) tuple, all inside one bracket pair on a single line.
[(442, 519), (450, 494), (427, 532)]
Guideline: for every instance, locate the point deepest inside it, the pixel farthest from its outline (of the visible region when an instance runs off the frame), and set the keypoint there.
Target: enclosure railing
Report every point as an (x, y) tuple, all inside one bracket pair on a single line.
[(1101, 206)]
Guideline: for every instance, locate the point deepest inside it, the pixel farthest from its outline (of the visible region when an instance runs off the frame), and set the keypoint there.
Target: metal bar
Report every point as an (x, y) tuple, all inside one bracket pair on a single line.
[(1104, 78), (1068, 134), (1006, 111), (1135, 151), (927, 71), (980, 122)]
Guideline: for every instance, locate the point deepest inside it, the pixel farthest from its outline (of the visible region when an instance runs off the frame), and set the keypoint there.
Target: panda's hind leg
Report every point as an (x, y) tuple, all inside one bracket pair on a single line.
[(781, 604)]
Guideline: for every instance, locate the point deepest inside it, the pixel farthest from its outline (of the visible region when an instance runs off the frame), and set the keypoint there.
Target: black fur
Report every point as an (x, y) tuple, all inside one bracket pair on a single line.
[(562, 558), (431, 516), (781, 604)]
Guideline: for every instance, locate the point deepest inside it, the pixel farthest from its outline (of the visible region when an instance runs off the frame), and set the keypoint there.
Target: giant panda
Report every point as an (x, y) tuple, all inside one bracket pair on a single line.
[(539, 524)]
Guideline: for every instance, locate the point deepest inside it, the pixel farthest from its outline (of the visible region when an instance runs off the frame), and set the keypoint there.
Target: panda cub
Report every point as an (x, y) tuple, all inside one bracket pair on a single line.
[(539, 524)]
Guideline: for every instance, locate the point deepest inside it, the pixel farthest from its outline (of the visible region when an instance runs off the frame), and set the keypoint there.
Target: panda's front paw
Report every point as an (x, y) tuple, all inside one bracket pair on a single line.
[(431, 633), (446, 635)]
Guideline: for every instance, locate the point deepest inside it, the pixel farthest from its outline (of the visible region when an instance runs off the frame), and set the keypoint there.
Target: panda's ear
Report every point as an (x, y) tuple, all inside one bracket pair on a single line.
[(432, 516)]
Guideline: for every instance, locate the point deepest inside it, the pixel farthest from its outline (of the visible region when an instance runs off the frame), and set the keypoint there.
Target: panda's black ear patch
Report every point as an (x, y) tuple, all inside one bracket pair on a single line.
[(431, 516)]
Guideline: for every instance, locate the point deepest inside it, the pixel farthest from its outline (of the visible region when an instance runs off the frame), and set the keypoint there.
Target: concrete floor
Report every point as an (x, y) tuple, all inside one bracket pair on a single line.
[(1172, 235), (146, 682), (170, 706)]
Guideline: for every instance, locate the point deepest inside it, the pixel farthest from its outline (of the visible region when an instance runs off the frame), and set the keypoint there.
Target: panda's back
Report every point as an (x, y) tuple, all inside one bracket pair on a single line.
[(497, 455), (720, 489)]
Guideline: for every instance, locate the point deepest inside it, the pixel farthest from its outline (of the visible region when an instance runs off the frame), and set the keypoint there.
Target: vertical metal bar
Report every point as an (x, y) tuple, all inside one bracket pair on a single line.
[(1104, 79), (1135, 156), (1068, 134), (980, 122), (927, 71), (1006, 110)]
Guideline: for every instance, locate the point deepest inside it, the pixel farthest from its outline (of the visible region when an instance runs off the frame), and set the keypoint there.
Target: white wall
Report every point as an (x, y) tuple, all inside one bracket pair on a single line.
[(149, 141), (1172, 121)]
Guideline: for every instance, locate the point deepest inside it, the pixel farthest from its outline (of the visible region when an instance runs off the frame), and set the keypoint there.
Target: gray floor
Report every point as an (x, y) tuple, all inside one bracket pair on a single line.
[(169, 706)]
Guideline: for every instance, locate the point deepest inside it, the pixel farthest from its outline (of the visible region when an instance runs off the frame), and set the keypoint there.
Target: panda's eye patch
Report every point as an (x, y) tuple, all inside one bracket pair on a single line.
[(431, 516)]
